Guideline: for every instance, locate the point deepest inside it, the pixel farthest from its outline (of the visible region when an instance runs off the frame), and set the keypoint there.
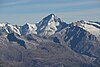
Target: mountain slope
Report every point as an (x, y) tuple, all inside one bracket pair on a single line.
[(49, 25), (28, 29), (42, 53), (20, 30), (8, 28), (91, 27), (50, 43), (82, 37)]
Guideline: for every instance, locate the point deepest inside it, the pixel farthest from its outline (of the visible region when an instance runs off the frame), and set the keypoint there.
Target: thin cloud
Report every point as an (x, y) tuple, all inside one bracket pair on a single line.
[(57, 5), (14, 3), (35, 12), (90, 14), (47, 5), (81, 12)]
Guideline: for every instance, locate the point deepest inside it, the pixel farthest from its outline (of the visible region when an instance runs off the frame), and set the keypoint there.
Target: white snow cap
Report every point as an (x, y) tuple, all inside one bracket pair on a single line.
[(91, 27), (2, 24)]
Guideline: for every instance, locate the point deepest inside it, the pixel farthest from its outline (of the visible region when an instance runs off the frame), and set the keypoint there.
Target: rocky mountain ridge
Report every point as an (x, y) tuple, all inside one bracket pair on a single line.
[(50, 43)]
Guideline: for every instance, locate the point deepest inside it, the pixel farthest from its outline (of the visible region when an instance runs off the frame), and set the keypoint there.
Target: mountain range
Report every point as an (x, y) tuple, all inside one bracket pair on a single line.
[(51, 42)]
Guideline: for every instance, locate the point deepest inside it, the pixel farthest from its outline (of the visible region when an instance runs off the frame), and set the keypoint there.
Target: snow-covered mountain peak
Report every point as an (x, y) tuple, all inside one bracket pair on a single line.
[(28, 28), (2, 24), (49, 25), (8, 28), (27, 24), (50, 18), (91, 27), (20, 30), (52, 14)]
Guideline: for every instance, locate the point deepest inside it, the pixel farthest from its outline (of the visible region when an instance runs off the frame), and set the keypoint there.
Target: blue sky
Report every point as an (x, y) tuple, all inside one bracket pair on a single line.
[(32, 11)]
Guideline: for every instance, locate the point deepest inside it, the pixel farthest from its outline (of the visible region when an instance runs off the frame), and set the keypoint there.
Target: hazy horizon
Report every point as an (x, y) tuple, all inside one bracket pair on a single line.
[(32, 11)]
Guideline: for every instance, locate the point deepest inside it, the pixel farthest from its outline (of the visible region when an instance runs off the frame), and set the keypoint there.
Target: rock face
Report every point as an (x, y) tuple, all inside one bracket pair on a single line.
[(28, 29), (20, 30), (50, 43), (49, 25), (42, 52), (83, 37), (8, 28)]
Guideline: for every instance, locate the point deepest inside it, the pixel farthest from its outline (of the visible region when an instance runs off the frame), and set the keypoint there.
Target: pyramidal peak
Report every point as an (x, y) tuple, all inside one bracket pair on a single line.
[(49, 25), (52, 15)]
